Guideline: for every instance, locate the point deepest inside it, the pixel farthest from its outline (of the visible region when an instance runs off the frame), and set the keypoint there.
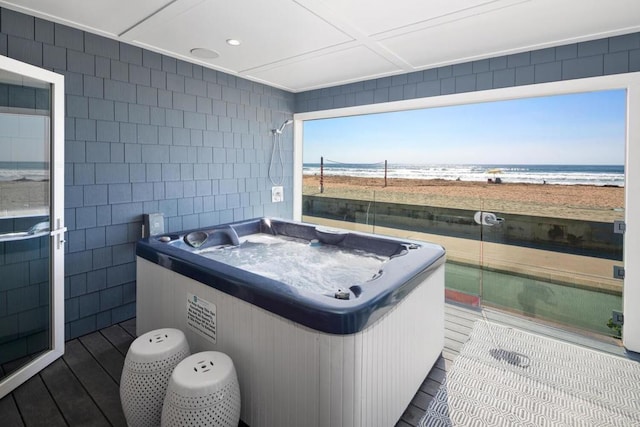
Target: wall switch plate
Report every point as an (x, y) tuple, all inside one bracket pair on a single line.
[(152, 224), (277, 194)]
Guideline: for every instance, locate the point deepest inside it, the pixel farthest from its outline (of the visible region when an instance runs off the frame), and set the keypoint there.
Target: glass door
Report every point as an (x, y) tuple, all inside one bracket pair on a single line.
[(31, 221)]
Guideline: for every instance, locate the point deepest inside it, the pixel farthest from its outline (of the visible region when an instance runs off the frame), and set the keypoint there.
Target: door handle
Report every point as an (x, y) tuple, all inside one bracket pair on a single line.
[(58, 234)]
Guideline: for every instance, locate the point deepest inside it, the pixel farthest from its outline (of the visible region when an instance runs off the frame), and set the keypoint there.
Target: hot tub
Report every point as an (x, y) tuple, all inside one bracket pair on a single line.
[(314, 343)]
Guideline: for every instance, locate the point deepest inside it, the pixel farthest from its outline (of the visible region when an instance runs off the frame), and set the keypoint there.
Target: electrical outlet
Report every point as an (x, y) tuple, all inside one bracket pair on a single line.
[(277, 194), (617, 318)]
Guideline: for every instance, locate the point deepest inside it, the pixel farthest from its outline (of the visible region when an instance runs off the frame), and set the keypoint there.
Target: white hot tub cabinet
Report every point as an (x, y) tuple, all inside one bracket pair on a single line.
[(291, 375)]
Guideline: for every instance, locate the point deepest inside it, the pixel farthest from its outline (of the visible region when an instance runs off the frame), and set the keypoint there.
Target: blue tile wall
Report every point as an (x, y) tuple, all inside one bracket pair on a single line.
[(143, 133), (614, 55)]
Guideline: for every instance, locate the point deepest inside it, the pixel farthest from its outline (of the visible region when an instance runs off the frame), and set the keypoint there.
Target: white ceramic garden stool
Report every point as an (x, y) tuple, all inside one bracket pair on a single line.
[(203, 391), (150, 361)]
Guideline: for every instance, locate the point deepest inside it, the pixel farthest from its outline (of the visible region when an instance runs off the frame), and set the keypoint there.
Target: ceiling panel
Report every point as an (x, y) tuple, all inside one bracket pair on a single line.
[(103, 17), (377, 16), (353, 63), (270, 31), (508, 30)]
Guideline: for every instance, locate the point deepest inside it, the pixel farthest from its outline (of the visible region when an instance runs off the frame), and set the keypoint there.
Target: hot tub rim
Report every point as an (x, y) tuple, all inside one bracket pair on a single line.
[(316, 311)]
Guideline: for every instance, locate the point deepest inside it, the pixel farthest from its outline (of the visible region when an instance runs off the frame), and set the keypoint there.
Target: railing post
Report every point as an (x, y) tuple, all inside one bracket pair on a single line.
[(321, 174), (385, 173)]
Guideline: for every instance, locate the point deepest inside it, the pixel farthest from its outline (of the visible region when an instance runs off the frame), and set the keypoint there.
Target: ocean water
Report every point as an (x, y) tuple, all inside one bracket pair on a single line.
[(33, 171), (597, 175)]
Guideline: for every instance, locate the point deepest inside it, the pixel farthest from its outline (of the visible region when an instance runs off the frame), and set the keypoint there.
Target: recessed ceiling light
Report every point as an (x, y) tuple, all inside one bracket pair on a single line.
[(233, 42), (202, 52)]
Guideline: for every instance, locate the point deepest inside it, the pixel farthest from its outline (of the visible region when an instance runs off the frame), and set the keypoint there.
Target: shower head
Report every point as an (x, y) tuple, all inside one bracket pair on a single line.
[(281, 128)]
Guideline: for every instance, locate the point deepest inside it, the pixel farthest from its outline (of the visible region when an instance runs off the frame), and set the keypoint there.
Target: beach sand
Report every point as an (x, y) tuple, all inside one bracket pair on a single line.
[(24, 198), (583, 202)]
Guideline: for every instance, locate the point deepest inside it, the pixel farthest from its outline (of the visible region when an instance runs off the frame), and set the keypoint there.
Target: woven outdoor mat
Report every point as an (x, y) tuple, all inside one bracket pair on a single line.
[(507, 377)]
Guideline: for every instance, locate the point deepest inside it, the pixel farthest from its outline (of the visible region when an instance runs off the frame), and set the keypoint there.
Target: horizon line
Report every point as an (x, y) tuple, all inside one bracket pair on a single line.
[(467, 164)]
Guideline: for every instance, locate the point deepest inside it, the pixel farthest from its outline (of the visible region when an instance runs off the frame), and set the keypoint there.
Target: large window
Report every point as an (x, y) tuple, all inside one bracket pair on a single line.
[(521, 185)]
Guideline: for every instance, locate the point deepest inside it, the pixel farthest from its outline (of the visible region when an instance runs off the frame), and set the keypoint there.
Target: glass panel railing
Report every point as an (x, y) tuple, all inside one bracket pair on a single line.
[(554, 261)]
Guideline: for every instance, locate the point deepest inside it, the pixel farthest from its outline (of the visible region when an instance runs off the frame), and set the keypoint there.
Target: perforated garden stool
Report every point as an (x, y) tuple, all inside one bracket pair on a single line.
[(203, 391), (150, 361)]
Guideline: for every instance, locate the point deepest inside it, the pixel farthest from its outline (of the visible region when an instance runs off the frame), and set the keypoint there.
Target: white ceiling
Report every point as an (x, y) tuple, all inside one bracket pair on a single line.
[(299, 45)]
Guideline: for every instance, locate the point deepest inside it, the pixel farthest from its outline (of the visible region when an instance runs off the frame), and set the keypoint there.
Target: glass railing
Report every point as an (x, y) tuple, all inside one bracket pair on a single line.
[(550, 261)]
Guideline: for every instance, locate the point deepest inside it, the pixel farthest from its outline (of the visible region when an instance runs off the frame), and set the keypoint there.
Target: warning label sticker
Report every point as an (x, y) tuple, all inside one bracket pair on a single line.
[(201, 316)]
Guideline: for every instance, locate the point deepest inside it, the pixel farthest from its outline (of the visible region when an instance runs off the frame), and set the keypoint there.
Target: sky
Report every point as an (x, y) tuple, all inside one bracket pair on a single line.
[(585, 128)]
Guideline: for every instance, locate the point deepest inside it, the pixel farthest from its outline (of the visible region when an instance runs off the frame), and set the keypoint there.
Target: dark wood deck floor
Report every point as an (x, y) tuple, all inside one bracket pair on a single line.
[(82, 388)]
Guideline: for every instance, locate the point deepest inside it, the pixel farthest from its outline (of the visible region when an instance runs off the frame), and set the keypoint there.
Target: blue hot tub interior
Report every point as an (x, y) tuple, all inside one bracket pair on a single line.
[(345, 311)]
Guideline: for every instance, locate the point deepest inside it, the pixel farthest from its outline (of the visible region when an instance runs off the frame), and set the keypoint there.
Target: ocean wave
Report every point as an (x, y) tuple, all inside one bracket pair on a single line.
[(596, 175), (23, 175)]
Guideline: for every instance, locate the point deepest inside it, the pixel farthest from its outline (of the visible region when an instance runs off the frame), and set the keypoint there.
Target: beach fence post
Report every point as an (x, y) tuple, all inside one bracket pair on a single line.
[(385, 173), (321, 174)]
